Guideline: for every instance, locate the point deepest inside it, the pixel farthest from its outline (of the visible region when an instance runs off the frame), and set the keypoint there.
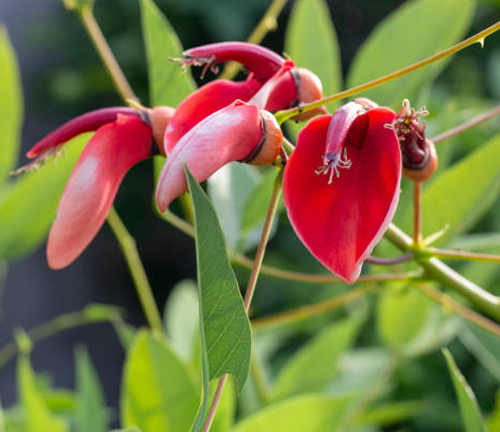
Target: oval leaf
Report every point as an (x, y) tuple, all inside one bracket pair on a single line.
[(416, 30)]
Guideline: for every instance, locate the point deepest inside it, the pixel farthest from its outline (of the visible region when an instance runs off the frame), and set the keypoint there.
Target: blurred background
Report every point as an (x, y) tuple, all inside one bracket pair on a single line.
[(62, 77)]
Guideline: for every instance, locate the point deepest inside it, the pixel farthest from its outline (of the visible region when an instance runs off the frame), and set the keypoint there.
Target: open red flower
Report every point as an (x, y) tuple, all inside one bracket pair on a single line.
[(123, 138), (296, 86), (341, 185)]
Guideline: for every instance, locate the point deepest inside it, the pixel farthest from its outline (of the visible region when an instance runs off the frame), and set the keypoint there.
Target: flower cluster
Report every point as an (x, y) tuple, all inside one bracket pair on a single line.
[(340, 185)]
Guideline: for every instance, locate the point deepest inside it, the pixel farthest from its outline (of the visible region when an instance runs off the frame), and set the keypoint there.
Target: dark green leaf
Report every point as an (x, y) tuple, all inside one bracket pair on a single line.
[(169, 85), (315, 365), (469, 409), (28, 207), (416, 30), (91, 408), (309, 413), (11, 105), (158, 393), (38, 417)]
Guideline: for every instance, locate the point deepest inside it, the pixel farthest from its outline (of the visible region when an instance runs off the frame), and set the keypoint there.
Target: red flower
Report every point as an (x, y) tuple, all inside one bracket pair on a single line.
[(123, 138), (296, 86), (341, 185)]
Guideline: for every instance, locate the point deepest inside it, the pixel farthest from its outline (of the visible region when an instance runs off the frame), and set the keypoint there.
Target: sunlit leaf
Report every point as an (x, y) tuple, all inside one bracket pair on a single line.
[(469, 409), (416, 30), (91, 407), (169, 85), (28, 206), (11, 105), (158, 393), (315, 364), (37, 415)]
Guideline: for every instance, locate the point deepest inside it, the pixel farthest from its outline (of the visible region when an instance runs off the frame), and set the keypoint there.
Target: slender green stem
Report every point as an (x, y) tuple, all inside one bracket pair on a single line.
[(50, 328), (252, 282), (268, 22), (487, 302), (463, 255), (481, 118), (129, 249), (460, 309), (284, 115), (417, 212), (101, 45)]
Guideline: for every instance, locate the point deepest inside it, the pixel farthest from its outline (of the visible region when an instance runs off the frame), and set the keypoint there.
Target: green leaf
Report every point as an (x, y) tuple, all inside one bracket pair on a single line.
[(469, 409), (225, 326), (38, 416), (169, 85), (462, 194), (494, 419), (91, 407), (315, 365), (158, 393), (309, 413), (11, 105), (390, 413), (28, 207), (129, 429), (310, 26), (416, 30), (181, 317), (126, 334)]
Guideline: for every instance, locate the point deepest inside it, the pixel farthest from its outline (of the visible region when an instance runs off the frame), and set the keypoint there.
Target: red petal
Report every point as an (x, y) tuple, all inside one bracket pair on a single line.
[(261, 61), (231, 134), (205, 101), (90, 121), (342, 222), (93, 184)]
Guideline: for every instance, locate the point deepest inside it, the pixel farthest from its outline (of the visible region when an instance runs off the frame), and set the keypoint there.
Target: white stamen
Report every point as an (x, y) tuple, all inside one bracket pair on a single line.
[(333, 166)]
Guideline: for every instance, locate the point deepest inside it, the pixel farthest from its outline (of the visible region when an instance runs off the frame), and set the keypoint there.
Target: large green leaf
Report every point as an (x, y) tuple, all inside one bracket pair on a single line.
[(469, 409), (224, 326), (37, 415), (91, 408), (315, 365), (28, 207), (11, 105), (416, 30), (158, 393), (462, 194), (169, 85), (309, 413)]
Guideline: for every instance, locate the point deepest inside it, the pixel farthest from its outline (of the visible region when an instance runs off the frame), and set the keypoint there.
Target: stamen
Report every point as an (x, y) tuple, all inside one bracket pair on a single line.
[(332, 164)]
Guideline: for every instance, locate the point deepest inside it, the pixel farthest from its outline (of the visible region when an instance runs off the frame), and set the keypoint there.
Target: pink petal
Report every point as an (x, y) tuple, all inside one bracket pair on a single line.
[(205, 101), (93, 184), (261, 61), (90, 121), (231, 134), (340, 223)]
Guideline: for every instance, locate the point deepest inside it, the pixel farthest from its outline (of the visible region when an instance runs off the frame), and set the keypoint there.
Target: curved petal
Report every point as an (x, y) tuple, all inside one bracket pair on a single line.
[(90, 121), (93, 184), (340, 223), (203, 102), (231, 134), (261, 61)]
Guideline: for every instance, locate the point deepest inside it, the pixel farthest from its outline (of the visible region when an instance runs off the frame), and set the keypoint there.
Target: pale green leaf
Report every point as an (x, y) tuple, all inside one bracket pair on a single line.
[(158, 393), (91, 407), (37, 415), (315, 364), (169, 85), (462, 194), (469, 408), (28, 206), (416, 30), (11, 105), (308, 413)]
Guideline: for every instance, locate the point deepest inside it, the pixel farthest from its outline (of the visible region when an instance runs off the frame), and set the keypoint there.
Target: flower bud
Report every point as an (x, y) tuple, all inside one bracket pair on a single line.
[(428, 164), (159, 118), (269, 147), (309, 89)]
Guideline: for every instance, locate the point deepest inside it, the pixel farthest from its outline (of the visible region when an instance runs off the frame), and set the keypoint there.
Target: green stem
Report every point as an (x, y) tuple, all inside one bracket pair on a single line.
[(436, 269), (252, 282), (50, 328), (282, 116), (463, 255), (141, 283), (260, 380)]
